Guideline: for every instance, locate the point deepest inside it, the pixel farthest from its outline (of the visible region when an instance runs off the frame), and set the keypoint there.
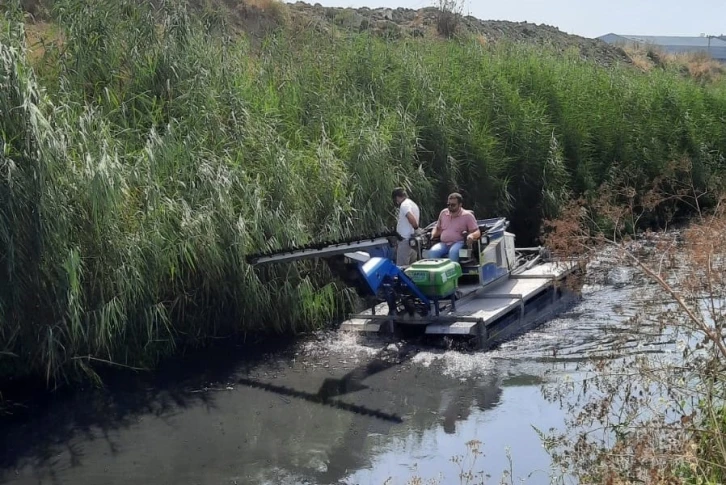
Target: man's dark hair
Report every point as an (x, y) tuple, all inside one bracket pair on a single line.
[(457, 196), (399, 192)]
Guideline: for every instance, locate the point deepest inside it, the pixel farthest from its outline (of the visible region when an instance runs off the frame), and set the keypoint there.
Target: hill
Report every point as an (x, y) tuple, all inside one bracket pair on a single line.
[(433, 22), (258, 17)]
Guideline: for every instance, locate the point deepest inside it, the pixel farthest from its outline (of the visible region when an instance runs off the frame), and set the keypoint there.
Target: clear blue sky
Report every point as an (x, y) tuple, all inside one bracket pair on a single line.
[(589, 18)]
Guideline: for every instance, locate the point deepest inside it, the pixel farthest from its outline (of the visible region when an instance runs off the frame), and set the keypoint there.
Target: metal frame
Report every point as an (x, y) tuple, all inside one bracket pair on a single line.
[(416, 320), (481, 330), (333, 250)]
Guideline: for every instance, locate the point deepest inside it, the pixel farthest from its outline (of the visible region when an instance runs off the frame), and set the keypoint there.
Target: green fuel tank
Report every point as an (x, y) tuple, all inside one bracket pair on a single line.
[(436, 278)]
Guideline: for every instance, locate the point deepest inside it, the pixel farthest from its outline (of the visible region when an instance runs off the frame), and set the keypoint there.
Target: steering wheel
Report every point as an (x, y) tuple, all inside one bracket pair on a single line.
[(429, 229)]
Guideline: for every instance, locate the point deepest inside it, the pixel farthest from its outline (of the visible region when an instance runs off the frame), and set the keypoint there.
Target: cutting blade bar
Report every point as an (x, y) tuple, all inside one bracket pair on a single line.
[(322, 251)]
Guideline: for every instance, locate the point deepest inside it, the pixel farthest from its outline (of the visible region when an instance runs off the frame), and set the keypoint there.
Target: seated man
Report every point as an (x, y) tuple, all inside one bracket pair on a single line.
[(453, 222)]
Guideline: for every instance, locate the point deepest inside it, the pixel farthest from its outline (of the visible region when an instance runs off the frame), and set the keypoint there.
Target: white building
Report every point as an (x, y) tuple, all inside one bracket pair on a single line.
[(713, 45)]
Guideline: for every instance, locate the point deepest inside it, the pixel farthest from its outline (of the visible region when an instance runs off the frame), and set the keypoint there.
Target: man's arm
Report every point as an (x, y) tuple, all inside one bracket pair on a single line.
[(412, 219), (472, 228), (436, 232)]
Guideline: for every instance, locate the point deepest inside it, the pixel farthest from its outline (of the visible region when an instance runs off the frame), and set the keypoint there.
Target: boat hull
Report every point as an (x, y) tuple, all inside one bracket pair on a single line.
[(485, 316)]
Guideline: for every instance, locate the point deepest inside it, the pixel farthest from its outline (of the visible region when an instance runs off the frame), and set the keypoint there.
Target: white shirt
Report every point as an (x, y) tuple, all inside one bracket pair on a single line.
[(404, 228)]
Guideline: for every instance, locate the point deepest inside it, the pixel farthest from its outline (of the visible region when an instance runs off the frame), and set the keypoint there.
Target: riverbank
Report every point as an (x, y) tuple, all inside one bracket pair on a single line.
[(135, 181)]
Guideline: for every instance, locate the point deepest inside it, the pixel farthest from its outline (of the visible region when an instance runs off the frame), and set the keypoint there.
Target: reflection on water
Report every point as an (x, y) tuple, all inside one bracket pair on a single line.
[(334, 409)]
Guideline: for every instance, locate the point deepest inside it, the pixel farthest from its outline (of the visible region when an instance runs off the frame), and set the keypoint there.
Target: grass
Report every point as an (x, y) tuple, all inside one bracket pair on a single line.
[(650, 416), (145, 154), (697, 66)]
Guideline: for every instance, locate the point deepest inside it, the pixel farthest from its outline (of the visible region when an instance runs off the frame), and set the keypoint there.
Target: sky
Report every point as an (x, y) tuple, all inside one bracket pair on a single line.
[(588, 18)]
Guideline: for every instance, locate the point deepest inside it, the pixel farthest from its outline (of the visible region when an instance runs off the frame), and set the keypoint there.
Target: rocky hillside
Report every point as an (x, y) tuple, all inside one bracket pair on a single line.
[(256, 17), (428, 22)]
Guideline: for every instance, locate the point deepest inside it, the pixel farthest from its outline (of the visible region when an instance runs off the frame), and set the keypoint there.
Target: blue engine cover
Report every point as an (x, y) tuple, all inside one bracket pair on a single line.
[(376, 270), (380, 271)]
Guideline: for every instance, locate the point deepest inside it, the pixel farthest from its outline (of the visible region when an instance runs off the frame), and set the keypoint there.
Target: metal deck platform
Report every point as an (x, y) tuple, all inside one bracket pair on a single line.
[(490, 313)]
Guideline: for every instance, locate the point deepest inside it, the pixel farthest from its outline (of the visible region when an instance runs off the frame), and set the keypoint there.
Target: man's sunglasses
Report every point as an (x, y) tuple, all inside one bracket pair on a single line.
[(453, 205)]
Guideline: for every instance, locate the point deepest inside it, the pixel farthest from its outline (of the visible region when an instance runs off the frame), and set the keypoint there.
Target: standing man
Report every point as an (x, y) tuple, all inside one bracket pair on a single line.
[(453, 222), (408, 217)]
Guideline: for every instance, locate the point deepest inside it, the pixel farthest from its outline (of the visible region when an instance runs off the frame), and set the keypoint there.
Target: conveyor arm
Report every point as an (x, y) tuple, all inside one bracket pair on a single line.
[(324, 250)]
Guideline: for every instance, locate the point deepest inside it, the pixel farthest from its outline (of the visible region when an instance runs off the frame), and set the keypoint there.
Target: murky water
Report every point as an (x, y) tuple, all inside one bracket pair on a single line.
[(331, 409)]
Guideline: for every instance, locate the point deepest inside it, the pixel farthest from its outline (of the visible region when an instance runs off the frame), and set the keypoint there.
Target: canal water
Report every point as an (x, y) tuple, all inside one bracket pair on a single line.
[(330, 409)]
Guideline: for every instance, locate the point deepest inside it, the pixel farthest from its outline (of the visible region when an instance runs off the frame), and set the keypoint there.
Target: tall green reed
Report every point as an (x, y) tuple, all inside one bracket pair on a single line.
[(149, 153)]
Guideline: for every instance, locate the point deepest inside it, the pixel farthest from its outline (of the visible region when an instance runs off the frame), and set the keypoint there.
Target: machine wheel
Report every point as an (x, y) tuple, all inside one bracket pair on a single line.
[(409, 304)]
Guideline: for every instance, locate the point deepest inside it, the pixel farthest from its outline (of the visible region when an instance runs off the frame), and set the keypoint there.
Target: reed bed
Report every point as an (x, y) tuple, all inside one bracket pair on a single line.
[(145, 152)]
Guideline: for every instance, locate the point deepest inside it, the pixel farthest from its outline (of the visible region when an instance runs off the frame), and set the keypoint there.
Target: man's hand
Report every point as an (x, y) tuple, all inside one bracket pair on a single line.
[(435, 233), (470, 240)]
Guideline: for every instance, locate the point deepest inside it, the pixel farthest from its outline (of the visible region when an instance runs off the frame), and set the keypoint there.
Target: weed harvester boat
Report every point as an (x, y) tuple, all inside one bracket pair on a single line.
[(494, 292)]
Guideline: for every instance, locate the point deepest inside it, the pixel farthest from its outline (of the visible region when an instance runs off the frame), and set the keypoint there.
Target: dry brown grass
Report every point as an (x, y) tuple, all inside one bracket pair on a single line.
[(39, 37), (641, 60), (657, 438), (702, 67), (645, 57), (698, 65), (275, 8)]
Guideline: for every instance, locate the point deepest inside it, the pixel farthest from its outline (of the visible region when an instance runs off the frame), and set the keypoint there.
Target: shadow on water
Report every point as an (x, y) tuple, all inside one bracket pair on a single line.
[(420, 398), (73, 436), (39, 420), (348, 383)]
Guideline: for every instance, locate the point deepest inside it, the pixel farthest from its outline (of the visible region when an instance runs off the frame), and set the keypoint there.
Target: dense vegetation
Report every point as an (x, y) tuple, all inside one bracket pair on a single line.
[(145, 153)]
